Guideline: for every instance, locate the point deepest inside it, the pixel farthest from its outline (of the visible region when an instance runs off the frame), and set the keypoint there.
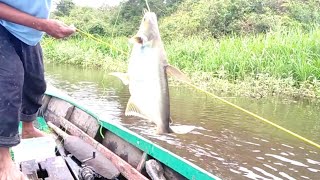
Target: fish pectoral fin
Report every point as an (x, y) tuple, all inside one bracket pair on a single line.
[(136, 39), (133, 110), (182, 129), (139, 38), (122, 76), (175, 72)]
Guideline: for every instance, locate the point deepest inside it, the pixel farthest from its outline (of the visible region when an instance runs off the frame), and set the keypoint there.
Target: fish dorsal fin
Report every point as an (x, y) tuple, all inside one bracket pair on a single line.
[(175, 72), (123, 76), (133, 110)]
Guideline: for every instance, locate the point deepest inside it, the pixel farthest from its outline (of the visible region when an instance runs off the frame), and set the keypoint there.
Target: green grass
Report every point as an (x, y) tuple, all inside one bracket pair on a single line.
[(290, 58), (87, 53), (280, 54)]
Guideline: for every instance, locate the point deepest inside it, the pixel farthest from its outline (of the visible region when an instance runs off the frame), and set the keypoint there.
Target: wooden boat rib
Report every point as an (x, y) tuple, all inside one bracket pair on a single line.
[(116, 140)]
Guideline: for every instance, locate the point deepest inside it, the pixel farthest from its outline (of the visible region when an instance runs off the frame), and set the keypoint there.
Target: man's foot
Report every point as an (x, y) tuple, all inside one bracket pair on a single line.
[(8, 171), (29, 131)]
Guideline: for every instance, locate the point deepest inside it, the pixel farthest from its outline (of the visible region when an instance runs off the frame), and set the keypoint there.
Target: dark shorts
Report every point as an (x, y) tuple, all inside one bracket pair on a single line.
[(22, 85)]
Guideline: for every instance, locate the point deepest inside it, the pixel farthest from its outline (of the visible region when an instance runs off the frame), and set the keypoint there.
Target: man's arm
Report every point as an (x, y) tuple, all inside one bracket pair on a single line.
[(54, 28)]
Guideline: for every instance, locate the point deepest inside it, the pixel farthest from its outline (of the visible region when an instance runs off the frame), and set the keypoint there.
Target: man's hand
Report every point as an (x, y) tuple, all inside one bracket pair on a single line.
[(57, 29), (54, 28)]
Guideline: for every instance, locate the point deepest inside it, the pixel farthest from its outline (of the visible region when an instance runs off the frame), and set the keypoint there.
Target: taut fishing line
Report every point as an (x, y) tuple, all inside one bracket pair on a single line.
[(211, 94)]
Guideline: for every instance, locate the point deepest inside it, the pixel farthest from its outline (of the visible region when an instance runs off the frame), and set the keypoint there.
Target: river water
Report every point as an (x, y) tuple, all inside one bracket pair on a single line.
[(226, 142)]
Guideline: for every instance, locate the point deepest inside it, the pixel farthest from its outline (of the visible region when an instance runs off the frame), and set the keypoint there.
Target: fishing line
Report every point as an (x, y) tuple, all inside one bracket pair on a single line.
[(100, 41), (256, 116), (219, 98), (105, 43)]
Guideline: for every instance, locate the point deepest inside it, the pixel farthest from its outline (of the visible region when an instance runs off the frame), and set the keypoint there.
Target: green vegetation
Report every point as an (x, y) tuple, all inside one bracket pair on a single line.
[(87, 53), (236, 46)]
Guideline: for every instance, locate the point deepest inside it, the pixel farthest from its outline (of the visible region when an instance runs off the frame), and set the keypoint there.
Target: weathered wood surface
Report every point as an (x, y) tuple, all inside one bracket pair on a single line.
[(82, 151), (126, 169), (85, 122), (142, 162), (60, 107), (45, 103), (53, 118), (74, 168), (56, 169), (30, 168), (172, 175), (155, 170), (125, 150)]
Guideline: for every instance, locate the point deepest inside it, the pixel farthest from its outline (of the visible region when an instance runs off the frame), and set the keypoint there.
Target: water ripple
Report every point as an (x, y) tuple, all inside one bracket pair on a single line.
[(226, 142), (287, 160)]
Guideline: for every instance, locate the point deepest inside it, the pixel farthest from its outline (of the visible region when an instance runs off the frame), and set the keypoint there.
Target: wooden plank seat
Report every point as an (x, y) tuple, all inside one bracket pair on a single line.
[(53, 168), (37, 159)]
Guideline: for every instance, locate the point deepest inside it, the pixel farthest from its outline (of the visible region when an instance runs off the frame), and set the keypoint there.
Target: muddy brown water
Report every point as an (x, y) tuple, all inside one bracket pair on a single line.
[(226, 142)]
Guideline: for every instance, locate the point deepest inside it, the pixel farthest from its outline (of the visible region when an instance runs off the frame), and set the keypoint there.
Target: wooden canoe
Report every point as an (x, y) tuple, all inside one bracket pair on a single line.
[(127, 150)]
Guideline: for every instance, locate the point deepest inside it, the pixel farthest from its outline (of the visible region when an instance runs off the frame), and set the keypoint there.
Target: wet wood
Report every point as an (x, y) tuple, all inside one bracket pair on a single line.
[(74, 168), (60, 107), (30, 168), (142, 163), (83, 151), (126, 169), (49, 115), (56, 169), (172, 175), (45, 103), (85, 122), (155, 170), (122, 148)]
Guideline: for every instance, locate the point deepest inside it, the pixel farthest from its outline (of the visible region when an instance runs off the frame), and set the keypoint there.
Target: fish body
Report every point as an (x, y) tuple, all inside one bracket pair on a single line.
[(147, 76), (148, 86)]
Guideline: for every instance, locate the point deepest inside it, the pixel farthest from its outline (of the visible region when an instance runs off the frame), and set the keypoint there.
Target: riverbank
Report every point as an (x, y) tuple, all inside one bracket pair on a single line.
[(282, 63)]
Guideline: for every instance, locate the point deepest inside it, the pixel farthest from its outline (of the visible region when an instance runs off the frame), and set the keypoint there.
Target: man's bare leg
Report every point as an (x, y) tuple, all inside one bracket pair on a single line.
[(29, 131), (8, 171)]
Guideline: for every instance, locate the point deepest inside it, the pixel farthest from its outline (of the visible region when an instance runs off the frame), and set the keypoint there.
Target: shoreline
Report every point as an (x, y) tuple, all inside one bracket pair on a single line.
[(261, 86), (219, 78)]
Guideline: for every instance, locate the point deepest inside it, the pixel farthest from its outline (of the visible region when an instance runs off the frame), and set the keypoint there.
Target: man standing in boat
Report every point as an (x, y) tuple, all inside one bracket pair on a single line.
[(22, 83)]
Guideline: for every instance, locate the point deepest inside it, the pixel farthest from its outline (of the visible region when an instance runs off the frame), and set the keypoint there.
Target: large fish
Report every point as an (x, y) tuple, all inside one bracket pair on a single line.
[(147, 78)]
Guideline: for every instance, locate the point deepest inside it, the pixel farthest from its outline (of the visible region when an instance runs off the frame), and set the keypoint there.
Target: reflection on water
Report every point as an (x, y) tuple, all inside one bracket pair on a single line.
[(226, 142)]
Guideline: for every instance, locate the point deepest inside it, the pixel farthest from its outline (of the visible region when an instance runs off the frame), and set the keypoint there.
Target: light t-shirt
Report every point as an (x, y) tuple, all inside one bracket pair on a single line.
[(37, 8)]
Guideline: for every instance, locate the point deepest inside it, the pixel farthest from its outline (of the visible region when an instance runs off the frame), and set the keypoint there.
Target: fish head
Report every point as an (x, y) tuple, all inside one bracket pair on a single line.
[(148, 31)]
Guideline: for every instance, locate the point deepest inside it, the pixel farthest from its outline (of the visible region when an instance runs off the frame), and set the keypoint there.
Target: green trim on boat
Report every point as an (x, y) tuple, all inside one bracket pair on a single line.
[(182, 166), (173, 161)]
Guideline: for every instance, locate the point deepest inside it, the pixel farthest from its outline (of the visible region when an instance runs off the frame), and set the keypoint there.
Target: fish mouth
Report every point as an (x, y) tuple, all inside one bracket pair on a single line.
[(139, 38), (145, 11)]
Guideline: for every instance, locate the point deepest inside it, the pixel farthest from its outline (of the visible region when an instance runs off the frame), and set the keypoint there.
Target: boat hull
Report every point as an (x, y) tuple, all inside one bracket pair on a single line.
[(131, 147)]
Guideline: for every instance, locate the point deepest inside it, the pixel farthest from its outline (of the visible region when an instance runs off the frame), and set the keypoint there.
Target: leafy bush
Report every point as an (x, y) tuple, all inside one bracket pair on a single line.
[(224, 17), (64, 7)]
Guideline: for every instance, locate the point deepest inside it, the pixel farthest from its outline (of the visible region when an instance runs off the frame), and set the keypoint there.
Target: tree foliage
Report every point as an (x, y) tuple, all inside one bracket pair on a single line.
[(202, 18), (129, 13), (64, 7)]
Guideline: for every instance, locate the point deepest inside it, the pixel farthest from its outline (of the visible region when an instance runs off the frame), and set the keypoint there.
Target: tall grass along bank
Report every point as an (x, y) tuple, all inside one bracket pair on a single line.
[(284, 62)]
